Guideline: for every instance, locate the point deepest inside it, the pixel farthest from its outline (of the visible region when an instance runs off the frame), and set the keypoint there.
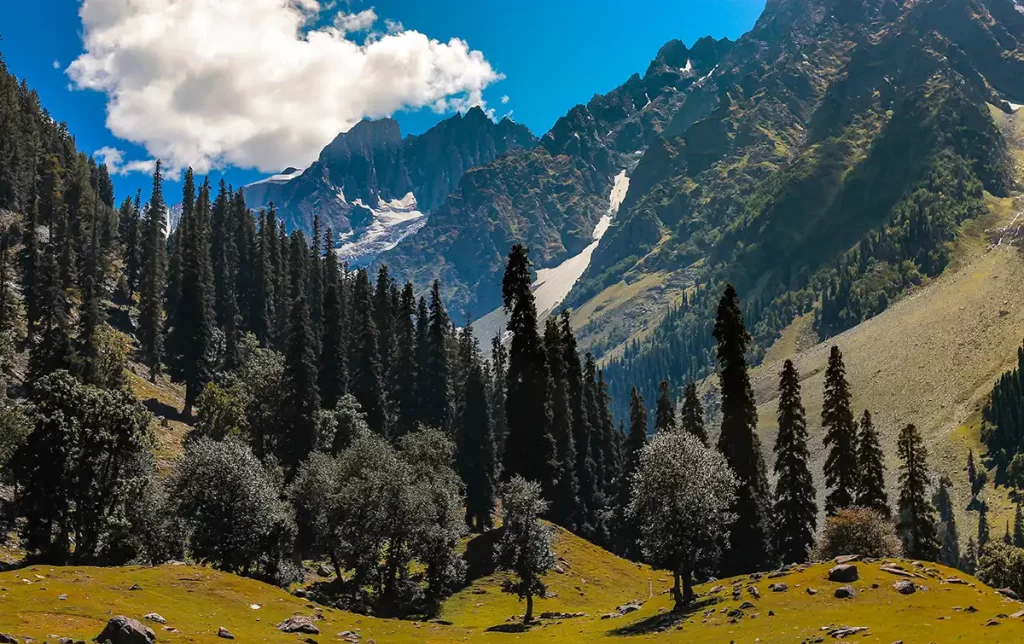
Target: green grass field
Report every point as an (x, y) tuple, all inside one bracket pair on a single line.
[(197, 601)]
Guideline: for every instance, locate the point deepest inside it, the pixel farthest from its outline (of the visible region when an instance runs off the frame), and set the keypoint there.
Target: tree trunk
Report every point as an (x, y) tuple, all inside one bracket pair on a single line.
[(529, 609), (677, 595), (687, 583)]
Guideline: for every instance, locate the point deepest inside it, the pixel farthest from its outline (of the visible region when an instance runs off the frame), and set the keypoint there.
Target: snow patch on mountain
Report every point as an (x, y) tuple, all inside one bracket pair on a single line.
[(1014, 107), (1019, 6), (552, 285), (390, 223), (282, 177)]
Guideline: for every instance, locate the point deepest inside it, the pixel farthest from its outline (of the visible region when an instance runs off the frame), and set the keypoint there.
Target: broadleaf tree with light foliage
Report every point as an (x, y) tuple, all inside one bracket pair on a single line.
[(524, 548), (681, 493)]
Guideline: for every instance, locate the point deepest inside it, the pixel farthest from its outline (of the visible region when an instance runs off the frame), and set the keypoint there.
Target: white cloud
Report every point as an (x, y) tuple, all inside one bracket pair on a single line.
[(353, 22), (56, 64), (251, 83), (504, 99), (114, 160)]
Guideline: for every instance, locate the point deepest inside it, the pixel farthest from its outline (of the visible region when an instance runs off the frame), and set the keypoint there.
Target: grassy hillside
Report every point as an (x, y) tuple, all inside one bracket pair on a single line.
[(198, 601)]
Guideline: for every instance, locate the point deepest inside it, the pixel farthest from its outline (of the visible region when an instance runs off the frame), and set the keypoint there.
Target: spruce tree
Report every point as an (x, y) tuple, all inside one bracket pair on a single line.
[(88, 353), (365, 378), (499, 369), (530, 446), (383, 319), (565, 503), (405, 372), (972, 473), (476, 458), (840, 437), (192, 325), (969, 560), (626, 534), (796, 512), (434, 371), (665, 417), (692, 417), (315, 282), (870, 459), (1018, 527), (302, 396), (333, 378), (175, 245), (983, 531), (749, 543), (949, 538), (1007, 537), (151, 281), (588, 493), (917, 516)]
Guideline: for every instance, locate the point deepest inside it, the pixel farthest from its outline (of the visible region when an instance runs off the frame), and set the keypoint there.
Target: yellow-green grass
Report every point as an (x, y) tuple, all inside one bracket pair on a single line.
[(198, 601), (165, 399)]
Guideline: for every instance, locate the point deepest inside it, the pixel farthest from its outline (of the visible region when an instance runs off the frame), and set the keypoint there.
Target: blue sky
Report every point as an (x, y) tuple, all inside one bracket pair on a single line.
[(553, 54)]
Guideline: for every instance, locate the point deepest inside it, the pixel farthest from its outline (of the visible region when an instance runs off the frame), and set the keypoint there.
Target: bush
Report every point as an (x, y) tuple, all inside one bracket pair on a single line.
[(859, 531), (232, 511), (1002, 566)]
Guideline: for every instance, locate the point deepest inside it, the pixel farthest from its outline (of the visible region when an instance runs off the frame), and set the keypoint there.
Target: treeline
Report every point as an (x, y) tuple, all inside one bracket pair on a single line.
[(1003, 424)]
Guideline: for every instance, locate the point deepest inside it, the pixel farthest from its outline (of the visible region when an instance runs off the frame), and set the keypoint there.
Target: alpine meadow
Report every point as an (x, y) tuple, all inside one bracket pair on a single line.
[(733, 352)]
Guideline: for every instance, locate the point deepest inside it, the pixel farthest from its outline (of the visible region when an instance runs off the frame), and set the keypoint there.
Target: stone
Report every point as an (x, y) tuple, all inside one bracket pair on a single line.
[(779, 588), (843, 573), (846, 631), (992, 622), (298, 624), (844, 592), (754, 592), (558, 569), (135, 587), (155, 617), (123, 630), (845, 559), (970, 609), (812, 591), (324, 571), (7, 639), (746, 606), (1006, 592), (224, 633), (905, 587), (1019, 614), (955, 580), (62, 598)]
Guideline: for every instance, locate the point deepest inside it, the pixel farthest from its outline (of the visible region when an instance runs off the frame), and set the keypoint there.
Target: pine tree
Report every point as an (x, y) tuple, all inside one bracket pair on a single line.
[(477, 459), (588, 493), (969, 560), (365, 376), (983, 531), (626, 534), (302, 395), (565, 502), (434, 371), (192, 325), (692, 418), (949, 537), (226, 266), (174, 250), (917, 516), (665, 417), (870, 459), (972, 473), (315, 282), (88, 354), (152, 276), (840, 437), (499, 387), (796, 512), (1018, 527), (405, 371), (749, 544), (333, 378), (530, 446)]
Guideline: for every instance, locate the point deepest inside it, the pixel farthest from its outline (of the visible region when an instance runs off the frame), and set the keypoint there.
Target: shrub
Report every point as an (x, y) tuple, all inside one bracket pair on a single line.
[(1002, 566), (860, 531)]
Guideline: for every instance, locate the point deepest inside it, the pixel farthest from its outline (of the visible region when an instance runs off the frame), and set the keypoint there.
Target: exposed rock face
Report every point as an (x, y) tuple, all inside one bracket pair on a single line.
[(123, 630), (372, 165), (549, 198)]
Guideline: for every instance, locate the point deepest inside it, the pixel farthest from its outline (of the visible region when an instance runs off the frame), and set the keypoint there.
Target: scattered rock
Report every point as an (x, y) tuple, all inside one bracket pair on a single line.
[(843, 573), (845, 559), (955, 580), (62, 598), (349, 636), (716, 589), (155, 617), (746, 606), (7, 639), (1006, 592), (812, 591), (779, 588), (300, 593), (893, 569), (479, 591), (771, 613), (1019, 614), (224, 633), (135, 587), (324, 571), (844, 592), (846, 631), (735, 613), (298, 624), (122, 630), (905, 587), (970, 609), (754, 592), (558, 615), (992, 622)]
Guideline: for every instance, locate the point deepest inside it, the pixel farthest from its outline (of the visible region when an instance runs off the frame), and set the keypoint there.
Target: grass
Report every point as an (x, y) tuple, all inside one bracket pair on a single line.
[(197, 601)]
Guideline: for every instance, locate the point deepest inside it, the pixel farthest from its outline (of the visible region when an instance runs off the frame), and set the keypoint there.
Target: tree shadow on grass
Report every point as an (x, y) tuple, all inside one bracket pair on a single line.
[(158, 408), (664, 621), (480, 555)]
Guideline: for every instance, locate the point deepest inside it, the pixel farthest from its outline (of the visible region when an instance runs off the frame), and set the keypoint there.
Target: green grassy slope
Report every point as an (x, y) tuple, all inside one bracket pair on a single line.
[(198, 601)]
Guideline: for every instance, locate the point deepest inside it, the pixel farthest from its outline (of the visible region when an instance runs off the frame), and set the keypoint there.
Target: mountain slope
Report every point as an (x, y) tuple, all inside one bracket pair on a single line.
[(551, 197), (370, 174), (845, 144)]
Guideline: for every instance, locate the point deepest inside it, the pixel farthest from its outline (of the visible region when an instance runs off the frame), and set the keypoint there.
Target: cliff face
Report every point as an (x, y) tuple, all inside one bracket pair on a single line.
[(367, 174)]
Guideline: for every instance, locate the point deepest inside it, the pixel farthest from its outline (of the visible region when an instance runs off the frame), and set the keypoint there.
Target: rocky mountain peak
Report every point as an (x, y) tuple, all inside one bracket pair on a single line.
[(365, 136)]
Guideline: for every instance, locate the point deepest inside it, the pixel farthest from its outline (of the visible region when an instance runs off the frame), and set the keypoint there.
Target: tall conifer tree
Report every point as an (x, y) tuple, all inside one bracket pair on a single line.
[(750, 540), (365, 378), (917, 515), (152, 279), (870, 461), (692, 417), (333, 376), (840, 437), (477, 459), (796, 512), (588, 492), (565, 502), (665, 418), (435, 372)]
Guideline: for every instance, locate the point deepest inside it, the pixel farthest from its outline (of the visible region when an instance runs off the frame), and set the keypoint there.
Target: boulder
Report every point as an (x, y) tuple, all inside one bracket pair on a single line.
[(324, 571), (224, 634), (905, 587), (7, 639), (122, 630), (298, 624), (754, 592), (843, 573), (844, 592), (1006, 592), (779, 588), (812, 591)]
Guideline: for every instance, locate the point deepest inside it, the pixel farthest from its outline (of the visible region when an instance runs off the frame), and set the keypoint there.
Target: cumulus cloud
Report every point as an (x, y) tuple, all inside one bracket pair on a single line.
[(253, 83), (504, 99), (114, 160), (56, 64)]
